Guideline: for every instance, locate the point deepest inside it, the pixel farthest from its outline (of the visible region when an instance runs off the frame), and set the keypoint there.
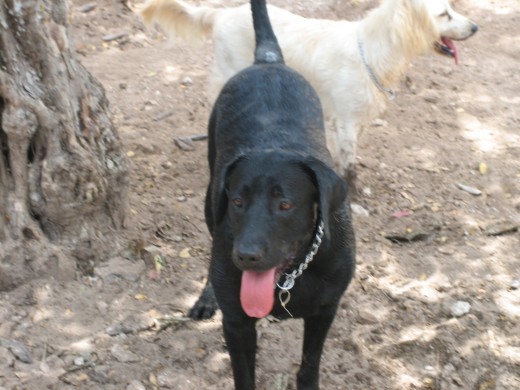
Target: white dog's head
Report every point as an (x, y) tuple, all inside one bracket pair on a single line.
[(452, 26), (427, 24)]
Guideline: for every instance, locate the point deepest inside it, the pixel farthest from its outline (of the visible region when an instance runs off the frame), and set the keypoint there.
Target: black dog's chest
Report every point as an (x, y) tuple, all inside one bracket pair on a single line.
[(306, 298)]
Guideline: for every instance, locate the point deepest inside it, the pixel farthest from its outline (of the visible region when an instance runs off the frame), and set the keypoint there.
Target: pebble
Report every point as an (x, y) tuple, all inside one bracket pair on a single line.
[(149, 254), (367, 316), (19, 350), (430, 97), (460, 308), (359, 210), (123, 355), (379, 123), (135, 385), (6, 358), (54, 364), (446, 251), (79, 361), (515, 284), (187, 81), (171, 379), (131, 324), (102, 307), (168, 378), (122, 268), (218, 363)]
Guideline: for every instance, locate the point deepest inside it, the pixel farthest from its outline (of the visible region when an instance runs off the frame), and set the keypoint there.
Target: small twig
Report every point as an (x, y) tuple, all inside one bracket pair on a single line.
[(162, 116), (166, 322), (200, 137), (87, 7)]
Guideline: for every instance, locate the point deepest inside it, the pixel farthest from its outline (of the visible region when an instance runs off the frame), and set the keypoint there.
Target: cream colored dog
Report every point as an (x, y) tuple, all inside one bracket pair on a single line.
[(352, 65)]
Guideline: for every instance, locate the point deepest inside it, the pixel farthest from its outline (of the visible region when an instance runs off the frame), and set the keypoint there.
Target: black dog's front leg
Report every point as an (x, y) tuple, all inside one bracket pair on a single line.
[(240, 338), (316, 329), (206, 305)]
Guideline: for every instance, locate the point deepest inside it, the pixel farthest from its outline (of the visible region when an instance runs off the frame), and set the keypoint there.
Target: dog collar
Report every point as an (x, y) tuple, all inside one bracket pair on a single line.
[(389, 92), (284, 295)]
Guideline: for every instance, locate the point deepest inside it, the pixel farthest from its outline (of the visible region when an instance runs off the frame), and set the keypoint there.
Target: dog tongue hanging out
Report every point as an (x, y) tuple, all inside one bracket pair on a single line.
[(448, 48), (257, 292)]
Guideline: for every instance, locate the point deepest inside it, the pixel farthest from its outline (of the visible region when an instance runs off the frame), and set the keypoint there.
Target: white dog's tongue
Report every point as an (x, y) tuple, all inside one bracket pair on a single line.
[(257, 292), (448, 42)]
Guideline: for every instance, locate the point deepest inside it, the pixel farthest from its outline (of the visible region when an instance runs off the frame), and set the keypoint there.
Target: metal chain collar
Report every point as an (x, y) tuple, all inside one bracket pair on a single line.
[(389, 92), (284, 295)]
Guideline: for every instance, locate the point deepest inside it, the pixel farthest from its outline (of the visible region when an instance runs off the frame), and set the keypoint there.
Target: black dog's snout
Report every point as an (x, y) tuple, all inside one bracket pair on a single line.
[(249, 256)]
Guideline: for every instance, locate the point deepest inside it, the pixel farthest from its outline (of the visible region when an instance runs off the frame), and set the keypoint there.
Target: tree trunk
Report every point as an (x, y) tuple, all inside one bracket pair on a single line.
[(63, 174)]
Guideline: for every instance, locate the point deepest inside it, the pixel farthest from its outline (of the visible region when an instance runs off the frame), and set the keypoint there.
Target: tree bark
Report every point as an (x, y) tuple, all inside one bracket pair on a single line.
[(63, 174)]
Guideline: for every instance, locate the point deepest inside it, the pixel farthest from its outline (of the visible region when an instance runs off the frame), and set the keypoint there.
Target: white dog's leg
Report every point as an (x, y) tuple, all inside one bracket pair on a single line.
[(342, 143)]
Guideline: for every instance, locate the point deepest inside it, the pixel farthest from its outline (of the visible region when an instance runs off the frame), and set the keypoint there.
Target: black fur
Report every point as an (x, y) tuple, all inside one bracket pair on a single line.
[(270, 183)]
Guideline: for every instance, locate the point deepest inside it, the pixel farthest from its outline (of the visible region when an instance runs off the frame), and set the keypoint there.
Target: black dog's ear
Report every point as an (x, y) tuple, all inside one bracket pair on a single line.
[(332, 190), (219, 199)]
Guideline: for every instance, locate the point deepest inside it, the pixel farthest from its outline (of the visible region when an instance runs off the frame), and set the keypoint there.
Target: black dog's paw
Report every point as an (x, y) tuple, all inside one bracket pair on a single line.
[(206, 305)]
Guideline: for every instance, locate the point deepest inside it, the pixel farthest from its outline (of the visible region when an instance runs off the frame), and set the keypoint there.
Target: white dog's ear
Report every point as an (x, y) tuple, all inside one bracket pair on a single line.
[(415, 26)]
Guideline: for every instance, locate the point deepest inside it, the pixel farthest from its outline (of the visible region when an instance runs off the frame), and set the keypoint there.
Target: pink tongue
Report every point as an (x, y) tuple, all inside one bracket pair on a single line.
[(257, 292), (448, 42)]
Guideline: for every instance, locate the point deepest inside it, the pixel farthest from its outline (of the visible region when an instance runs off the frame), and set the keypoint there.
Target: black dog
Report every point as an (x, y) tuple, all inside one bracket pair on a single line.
[(283, 242)]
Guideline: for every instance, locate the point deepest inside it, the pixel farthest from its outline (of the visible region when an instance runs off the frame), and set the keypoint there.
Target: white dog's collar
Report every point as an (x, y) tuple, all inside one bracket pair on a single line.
[(389, 92)]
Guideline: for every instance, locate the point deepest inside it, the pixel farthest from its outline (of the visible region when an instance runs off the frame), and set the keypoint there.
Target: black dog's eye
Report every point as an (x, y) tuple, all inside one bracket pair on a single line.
[(285, 205), (238, 202)]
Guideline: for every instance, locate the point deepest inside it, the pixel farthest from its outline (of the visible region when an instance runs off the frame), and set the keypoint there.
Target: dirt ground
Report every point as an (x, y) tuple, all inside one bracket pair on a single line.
[(436, 300)]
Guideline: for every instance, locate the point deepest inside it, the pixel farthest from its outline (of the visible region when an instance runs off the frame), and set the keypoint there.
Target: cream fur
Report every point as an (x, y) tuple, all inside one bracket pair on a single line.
[(325, 52)]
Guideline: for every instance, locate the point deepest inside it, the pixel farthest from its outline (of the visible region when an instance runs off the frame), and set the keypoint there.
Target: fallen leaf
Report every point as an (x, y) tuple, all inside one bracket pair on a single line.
[(159, 263), (185, 253), (140, 297), (483, 168), (153, 380), (402, 213)]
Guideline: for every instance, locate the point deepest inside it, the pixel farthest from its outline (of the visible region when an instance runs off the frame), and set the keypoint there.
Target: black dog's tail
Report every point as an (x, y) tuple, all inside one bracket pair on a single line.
[(267, 49)]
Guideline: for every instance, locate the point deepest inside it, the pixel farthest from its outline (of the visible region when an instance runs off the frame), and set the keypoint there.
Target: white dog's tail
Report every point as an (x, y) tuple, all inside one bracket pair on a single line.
[(179, 19)]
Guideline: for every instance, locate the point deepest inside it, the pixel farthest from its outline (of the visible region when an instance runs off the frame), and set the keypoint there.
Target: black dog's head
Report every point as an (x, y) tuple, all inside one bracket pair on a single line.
[(273, 201)]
